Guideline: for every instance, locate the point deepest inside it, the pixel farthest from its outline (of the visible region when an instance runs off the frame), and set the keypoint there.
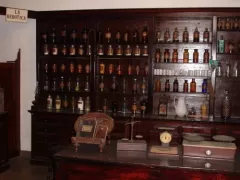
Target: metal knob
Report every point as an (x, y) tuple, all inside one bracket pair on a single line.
[(208, 152), (207, 165)]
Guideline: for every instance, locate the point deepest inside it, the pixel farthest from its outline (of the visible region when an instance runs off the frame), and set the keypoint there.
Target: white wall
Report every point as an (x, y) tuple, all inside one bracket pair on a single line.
[(12, 37), (113, 4)]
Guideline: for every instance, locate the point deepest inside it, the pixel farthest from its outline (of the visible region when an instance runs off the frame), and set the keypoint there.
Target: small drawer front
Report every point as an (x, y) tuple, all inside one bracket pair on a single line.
[(208, 152), (41, 137), (47, 129)]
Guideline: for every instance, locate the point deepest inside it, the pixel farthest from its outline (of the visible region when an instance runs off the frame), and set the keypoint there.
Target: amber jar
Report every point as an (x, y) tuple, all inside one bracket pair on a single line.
[(206, 35), (64, 50), (119, 69), (195, 56), (236, 23), (166, 55), (206, 56), (175, 56), (100, 50), (157, 85), (54, 50), (87, 68), (167, 85), (54, 68), (227, 24), (185, 86), (219, 23), (119, 50), (110, 68), (80, 50), (157, 55), (72, 50), (110, 50), (193, 86), (167, 35), (185, 35), (71, 67), (128, 50), (185, 56), (63, 68), (137, 50), (175, 35), (129, 69), (145, 50), (79, 68), (196, 35)]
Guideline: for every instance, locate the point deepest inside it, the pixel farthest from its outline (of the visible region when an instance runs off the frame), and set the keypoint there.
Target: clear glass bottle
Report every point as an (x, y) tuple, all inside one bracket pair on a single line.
[(80, 104), (77, 87), (143, 107), (49, 102), (101, 85), (226, 106), (58, 103), (87, 86), (114, 84), (144, 86), (219, 69), (124, 105), (105, 105), (134, 86), (87, 104), (228, 68), (134, 105)]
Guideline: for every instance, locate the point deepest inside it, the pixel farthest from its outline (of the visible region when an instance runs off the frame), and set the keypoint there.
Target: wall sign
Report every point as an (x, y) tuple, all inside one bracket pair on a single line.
[(16, 15)]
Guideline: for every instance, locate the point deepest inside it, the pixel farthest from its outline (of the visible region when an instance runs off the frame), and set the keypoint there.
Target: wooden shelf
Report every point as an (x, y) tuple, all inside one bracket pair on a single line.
[(122, 94), (64, 92), (183, 77), (197, 94), (229, 54), (180, 43), (42, 57), (122, 75), (122, 57), (230, 30)]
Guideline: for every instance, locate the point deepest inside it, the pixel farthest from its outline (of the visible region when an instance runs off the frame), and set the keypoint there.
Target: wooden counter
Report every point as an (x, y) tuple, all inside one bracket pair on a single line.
[(88, 163)]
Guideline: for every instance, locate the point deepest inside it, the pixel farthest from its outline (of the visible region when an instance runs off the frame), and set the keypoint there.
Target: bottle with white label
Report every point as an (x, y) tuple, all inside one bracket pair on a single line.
[(80, 104), (49, 102)]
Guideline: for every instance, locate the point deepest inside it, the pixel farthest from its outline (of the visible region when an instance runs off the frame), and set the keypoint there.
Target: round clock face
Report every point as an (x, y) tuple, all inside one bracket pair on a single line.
[(165, 137)]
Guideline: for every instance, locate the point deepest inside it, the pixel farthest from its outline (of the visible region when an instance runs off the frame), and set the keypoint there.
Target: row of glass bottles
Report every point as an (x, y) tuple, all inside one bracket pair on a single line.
[(79, 68), (185, 36), (136, 88), (119, 69), (124, 106), (65, 35), (174, 59), (123, 37), (227, 70), (228, 23), (66, 103), (119, 50), (175, 86), (70, 85)]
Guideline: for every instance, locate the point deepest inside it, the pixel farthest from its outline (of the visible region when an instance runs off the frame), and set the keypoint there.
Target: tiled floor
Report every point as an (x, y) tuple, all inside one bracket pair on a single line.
[(21, 169)]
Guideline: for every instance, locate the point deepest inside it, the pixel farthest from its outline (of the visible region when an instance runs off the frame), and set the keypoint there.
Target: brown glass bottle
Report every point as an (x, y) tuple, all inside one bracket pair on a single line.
[(84, 33), (175, 85), (119, 68), (175, 56), (206, 35), (166, 55), (185, 56), (118, 36), (185, 35), (108, 35), (126, 36), (196, 35), (137, 69), (135, 37), (167, 85), (157, 85), (195, 56), (167, 35), (193, 86), (176, 35), (157, 55), (145, 35), (206, 56), (129, 68), (185, 86), (101, 68)]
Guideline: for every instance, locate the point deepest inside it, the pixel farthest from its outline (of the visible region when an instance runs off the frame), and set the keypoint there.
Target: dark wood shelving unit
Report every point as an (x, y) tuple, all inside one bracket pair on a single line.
[(127, 20)]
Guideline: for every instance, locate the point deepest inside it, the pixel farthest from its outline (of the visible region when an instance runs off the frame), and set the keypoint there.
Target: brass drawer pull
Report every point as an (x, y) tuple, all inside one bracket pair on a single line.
[(207, 165), (208, 153)]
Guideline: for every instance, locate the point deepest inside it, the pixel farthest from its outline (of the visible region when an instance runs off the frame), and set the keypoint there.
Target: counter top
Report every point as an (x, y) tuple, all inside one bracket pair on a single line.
[(90, 153)]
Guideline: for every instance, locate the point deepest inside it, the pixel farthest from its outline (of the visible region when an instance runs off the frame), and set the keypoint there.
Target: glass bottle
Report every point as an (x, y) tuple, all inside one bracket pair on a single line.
[(118, 36), (226, 106), (157, 85), (80, 50), (62, 83), (196, 35), (49, 102), (137, 69), (85, 34), (72, 50), (219, 24), (221, 45), (128, 50), (87, 104), (64, 34), (114, 107), (100, 50), (114, 84), (236, 24), (185, 56), (195, 56), (157, 55), (108, 35), (105, 105), (143, 86), (227, 24), (193, 86), (119, 68), (185, 35), (86, 86), (204, 86), (58, 103), (77, 87), (89, 50), (64, 50), (69, 84), (134, 105), (126, 36), (135, 36), (167, 35), (53, 38), (204, 110), (166, 56), (134, 86), (101, 85), (80, 104), (54, 84), (145, 35), (228, 68), (124, 86), (185, 86), (73, 36), (79, 68), (54, 49), (143, 107), (65, 102), (137, 51), (110, 68), (46, 84), (87, 68), (175, 56), (99, 37), (44, 36), (206, 56), (146, 69), (110, 50), (206, 35), (73, 105), (71, 67), (129, 68), (158, 36), (124, 105), (102, 68), (219, 69), (145, 50), (167, 85), (176, 35), (63, 68), (119, 50), (175, 85), (54, 68)]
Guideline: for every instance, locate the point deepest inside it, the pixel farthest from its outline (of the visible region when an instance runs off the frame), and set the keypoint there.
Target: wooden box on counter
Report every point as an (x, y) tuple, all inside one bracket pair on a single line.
[(209, 149)]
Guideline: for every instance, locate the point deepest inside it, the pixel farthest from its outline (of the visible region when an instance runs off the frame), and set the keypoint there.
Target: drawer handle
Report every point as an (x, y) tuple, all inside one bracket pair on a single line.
[(208, 152), (207, 165)]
